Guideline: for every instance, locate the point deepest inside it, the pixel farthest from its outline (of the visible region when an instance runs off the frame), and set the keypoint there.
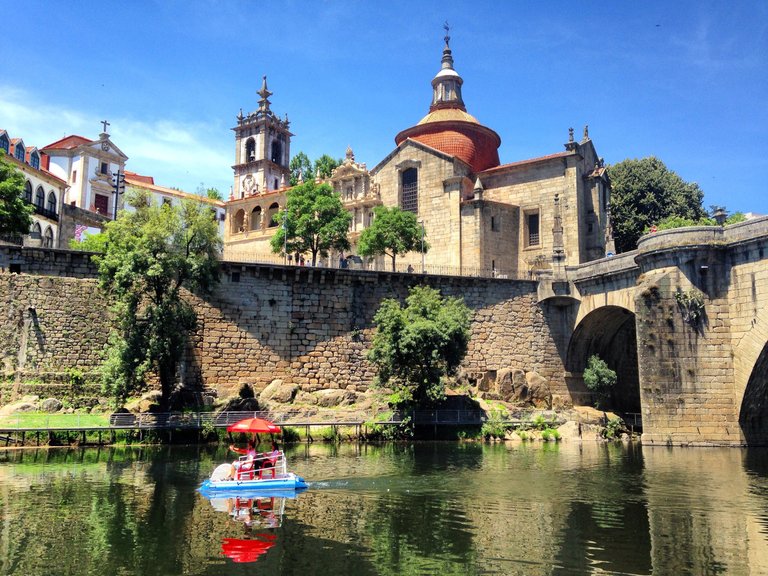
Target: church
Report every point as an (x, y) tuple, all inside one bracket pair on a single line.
[(479, 216)]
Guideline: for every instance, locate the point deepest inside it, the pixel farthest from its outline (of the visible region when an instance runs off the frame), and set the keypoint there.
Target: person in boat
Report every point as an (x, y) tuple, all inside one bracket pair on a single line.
[(240, 465), (270, 458)]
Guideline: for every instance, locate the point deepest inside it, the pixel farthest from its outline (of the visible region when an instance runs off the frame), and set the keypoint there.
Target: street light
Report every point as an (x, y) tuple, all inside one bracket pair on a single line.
[(422, 245), (285, 238)]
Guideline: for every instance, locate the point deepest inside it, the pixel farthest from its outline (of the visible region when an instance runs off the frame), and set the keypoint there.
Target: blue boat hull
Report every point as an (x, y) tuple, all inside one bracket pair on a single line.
[(280, 486)]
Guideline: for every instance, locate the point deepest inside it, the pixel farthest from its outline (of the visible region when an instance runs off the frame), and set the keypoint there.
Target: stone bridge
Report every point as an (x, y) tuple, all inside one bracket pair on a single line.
[(683, 320)]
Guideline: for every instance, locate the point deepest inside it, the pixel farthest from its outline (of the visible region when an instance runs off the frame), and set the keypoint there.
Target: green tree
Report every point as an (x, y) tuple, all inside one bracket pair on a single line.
[(671, 222), (15, 212), (416, 346), (325, 165), (209, 192), (301, 168), (644, 192), (314, 221), (149, 256), (392, 232), (599, 380)]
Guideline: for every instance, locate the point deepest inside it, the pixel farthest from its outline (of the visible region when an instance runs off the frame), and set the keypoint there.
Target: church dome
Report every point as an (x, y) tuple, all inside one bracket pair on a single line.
[(449, 128)]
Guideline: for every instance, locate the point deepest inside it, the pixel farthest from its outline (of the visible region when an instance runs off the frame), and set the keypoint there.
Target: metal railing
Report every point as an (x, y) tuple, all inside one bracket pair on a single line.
[(199, 420), (247, 257)]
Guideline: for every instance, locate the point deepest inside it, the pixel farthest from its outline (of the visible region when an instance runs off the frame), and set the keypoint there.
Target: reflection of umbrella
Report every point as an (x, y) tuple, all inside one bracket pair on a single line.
[(254, 425), (247, 550)]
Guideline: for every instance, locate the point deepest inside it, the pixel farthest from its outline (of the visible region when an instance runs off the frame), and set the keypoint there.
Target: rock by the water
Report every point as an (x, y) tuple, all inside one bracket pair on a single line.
[(279, 391)]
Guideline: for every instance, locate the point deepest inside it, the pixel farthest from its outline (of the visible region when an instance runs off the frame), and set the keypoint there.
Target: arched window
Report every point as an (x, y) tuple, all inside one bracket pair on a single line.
[(277, 184), (277, 153), (250, 150), (19, 153), (36, 232), (410, 187), (256, 218), (272, 215), (28, 192), (52, 202), (237, 221), (48, 238), (40, 198)]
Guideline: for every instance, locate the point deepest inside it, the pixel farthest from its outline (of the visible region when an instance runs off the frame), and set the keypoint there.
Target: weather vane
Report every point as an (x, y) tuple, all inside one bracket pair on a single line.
[(447, 29)]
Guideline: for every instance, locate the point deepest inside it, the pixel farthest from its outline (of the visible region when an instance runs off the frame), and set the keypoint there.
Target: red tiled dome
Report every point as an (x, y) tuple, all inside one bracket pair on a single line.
[(464, 138)]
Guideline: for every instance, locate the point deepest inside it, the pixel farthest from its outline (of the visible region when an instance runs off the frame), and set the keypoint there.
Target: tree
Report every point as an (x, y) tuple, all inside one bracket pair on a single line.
[(599, 380), (643, 193), (671, 222), (15, 211), (325, 165), (417, 346), (314, 221), (392, 232), (150, 255), (209, 192), (301, 168)]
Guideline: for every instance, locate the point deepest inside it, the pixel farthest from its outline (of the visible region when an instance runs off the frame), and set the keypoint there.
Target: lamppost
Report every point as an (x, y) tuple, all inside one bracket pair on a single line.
[(285, 238), (422, 245)]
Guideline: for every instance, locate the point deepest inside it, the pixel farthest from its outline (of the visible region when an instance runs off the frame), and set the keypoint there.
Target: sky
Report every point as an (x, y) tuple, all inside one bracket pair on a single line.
[(685, 81)]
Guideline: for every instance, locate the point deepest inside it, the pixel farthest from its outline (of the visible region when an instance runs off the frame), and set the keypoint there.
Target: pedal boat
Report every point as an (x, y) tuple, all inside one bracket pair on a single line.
[(264, 475)]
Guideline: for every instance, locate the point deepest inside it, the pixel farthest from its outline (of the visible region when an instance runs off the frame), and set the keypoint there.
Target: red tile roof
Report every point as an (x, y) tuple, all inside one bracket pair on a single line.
[(68, 142), (529, 161), (139, 178)]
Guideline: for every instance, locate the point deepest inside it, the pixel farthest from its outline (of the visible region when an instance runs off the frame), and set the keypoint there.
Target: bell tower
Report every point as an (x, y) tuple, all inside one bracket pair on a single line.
[(262, 149)]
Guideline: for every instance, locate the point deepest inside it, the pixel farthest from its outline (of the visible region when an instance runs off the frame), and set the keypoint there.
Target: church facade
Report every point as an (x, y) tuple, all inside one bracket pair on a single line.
[(479, 217)]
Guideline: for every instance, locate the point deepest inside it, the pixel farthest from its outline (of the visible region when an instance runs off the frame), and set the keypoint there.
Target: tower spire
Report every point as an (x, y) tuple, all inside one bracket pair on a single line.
[(446, 85), (265, 94)]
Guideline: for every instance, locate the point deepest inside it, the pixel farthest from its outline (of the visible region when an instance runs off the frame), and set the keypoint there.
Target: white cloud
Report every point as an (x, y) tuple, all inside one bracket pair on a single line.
[(179, 155)]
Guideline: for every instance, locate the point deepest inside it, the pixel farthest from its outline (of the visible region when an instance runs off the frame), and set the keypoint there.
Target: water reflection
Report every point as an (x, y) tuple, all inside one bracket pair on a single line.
[(390, 509)]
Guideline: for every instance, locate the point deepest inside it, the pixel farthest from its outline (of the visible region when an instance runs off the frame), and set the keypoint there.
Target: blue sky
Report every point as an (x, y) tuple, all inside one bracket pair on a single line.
[(684, 81)]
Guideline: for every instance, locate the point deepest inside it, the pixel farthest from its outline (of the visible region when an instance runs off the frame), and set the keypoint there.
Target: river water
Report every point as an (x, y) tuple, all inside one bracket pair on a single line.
[(422, 508)]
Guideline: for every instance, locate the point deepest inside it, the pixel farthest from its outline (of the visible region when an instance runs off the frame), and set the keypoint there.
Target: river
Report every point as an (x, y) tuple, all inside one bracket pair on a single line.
[(421, 508)]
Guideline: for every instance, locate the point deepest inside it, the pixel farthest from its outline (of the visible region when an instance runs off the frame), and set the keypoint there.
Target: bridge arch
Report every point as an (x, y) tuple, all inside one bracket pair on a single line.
[(609, 332)]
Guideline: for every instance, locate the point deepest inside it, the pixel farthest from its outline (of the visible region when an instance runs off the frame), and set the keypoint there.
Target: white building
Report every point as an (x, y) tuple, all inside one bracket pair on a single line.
[(161, 195), (88, 167), (41, 189)]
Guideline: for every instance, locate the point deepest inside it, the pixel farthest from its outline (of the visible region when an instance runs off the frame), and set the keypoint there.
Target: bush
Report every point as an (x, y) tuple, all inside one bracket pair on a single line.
[(599, 380), (613, 429), (246, 391), (550, 434), (290, 435)]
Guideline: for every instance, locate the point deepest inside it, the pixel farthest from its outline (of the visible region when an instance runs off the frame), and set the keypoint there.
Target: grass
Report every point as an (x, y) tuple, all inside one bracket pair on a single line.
[(43, 420)]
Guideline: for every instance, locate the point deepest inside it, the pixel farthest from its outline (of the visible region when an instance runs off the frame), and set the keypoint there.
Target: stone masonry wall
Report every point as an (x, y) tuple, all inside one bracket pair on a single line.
[(310, 326)]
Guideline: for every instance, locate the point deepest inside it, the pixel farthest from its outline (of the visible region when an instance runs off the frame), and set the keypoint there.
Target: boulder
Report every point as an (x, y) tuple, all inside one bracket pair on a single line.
[(539, 393), (51, 405), (238, 404), (147, 402), (504, 383), (20, 406), (331, 398), (279, 391), (303, 397)]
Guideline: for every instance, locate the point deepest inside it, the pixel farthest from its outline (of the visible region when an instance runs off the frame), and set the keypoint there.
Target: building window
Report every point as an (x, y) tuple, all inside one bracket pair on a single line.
[(40, 198), (48, 238), (36, 232), (28, 192), (237, 222), (495, 224), (19, 153), (277, 184), (101, 204), (256, 218), (272, 215), (532, 228), (277, 153), (51, 202), (5, 144), (166, 201), (104, 168), (74, 176), (410, 187), (250, 150), (34, 160)]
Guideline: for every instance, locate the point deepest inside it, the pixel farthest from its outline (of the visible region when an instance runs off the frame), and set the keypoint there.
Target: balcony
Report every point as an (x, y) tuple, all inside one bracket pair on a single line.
[(45, 213)]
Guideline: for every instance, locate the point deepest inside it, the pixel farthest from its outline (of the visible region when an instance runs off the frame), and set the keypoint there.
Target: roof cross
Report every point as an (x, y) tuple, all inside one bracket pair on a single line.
[(105, 124)]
